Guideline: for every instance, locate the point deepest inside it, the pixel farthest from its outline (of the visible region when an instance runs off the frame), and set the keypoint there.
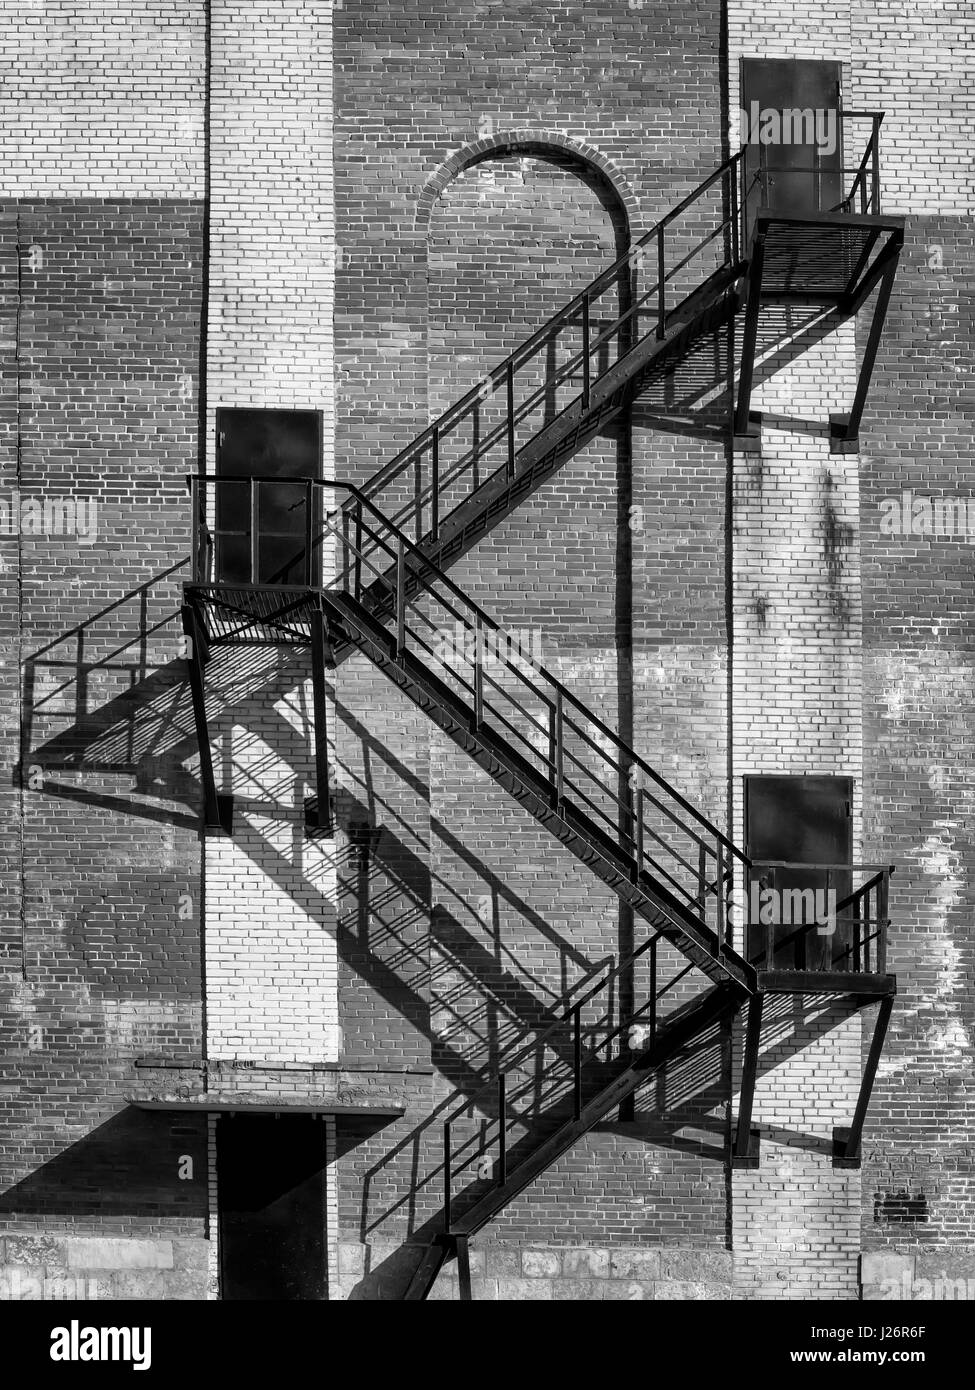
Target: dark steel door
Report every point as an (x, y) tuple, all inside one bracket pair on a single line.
[(804, 176), (800, 820), (271, 1202), (261, 528)]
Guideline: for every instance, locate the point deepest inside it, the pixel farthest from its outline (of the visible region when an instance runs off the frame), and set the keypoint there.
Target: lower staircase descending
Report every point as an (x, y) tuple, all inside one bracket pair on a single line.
[(553, 1091)]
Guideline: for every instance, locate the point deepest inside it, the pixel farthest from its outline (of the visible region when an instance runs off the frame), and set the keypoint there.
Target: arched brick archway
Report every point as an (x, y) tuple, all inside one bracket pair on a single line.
[(540, 143)]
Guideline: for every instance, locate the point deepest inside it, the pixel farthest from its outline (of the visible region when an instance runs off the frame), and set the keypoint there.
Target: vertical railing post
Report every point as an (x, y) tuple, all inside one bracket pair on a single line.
[(875, 167), (400, 598), (435, 483), (252, 485), (197, 530), (866, 932), (720, 923), (478, 672), (577, 1060), (585, 350), (357, 546), (661, 289), (770, 927), (309, 531), (820, 954), (446, 1175), (702, 879), (638, 833), (882, 892), (510, 396), (733, 212), (418, 491), (653, 992), (502, 1135), (556, 750), (346, 550)]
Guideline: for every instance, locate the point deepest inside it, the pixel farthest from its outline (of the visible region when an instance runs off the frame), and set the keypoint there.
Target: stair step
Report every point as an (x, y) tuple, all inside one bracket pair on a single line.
[(571, 826), (721, 1002)]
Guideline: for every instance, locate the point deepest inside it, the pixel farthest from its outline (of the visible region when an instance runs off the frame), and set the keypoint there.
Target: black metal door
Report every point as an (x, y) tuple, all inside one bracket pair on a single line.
[(271, 1202), (791, 822), (261, 527), (782, 99)]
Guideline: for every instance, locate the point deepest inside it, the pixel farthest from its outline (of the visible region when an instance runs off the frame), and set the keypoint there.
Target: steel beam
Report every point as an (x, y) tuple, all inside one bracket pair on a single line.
[(464, 1269), (217, 810), (846, 1142), (746, 1149), (844, 430)]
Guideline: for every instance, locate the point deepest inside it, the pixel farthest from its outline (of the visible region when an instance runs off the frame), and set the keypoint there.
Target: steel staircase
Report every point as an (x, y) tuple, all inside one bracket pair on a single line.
[(368, 575), (569, 1078)]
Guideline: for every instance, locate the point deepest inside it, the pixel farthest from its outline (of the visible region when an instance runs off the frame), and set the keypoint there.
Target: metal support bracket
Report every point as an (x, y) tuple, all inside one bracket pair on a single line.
[(464, 1269), (217, 810), (746, 434), (844, 430), (746, 1151), (846, 1142)]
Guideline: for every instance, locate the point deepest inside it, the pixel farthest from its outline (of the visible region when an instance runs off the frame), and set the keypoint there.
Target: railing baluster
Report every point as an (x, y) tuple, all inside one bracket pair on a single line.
[(882, 891), (446, 1175), (557, 748), (769, 928), (197, 541), (478, 672), (346, 550), (638, 846), (309, 530), (400, 598), (816, 924), (720, 918), (702, 879), (252, 496), (357, 574), (866, 931), (510, 394), (875, 167), (661, 292), (502, 1134), (435, 483), (577, 1059), (585, 351), (653, 992), (418, 494)]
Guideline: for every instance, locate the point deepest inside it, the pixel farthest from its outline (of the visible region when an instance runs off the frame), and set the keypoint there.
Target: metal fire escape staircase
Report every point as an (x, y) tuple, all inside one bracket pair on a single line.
[(370, 577)]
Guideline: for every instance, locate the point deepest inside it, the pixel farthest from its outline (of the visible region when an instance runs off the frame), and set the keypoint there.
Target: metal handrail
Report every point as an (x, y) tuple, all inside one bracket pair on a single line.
[(556, 690), (577, 309), (565, 1087), (865, 905)]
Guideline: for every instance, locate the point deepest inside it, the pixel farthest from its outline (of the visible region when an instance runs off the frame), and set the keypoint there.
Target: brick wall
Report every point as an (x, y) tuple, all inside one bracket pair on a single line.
[(102, 250), (447, 264)]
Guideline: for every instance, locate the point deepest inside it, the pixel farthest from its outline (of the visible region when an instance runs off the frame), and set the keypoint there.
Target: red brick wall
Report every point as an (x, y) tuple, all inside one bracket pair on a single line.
[(102, 345), (431, 292)]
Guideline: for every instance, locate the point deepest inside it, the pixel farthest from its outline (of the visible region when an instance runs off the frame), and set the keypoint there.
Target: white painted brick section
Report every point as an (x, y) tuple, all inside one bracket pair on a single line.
[(272, 220), (271, 957), (271, 961), (911, 60), (102, 99), (797, 708)]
